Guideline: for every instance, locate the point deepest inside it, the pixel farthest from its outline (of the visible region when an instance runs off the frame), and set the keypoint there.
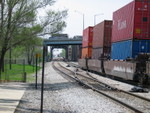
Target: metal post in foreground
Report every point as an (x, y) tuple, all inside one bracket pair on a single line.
[(42, 82), (39, 61)]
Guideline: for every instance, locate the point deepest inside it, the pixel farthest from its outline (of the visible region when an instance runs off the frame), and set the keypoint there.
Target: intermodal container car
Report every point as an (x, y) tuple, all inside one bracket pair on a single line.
[(86, 52), (87, 37), (132, 21), (129, 49), (98, 52), (102, 34)]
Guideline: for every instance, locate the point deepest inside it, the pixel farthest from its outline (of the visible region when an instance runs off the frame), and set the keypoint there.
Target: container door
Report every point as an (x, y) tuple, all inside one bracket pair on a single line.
[(142, 20), (141, 46), (121, 50)]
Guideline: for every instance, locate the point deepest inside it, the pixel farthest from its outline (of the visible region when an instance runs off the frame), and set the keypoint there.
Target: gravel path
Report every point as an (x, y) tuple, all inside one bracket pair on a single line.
[(63, 96)]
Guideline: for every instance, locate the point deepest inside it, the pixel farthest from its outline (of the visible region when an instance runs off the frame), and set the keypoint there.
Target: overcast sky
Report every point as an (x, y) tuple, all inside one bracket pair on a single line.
[(89, 8)]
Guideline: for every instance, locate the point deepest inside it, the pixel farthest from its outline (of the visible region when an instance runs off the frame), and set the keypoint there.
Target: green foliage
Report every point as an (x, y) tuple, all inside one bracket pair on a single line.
[(56, 20), (20, 26), (18, 52), (16, 73), (19, 21), (63, 53)]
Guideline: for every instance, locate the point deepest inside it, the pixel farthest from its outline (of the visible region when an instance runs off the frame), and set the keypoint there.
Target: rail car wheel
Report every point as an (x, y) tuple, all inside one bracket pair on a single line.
[(143, 79), (140, 78)]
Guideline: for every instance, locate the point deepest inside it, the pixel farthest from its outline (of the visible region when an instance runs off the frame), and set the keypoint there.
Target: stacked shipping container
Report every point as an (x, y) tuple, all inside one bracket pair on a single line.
[(102, 39), (130, 48), (87, 52), (69, 52), (131, 29), (87, 42), (87, 37)]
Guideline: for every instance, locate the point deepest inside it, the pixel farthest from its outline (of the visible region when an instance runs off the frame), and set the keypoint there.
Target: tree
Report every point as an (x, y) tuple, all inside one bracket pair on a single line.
[(18, 22), (63, 53), (31, 48)]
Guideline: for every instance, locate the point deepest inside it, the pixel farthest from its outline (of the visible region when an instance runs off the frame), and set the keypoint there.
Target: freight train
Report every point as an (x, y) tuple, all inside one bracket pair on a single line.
[(120, 47), (137, 69)]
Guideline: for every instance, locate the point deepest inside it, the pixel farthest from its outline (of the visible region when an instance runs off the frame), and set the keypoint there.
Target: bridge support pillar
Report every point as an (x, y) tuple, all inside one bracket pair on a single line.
[(51, 57), (66, 48), (46, 53)]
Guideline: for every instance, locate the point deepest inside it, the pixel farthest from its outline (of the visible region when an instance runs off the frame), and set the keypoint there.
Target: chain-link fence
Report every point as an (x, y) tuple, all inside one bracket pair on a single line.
[(16, 70)]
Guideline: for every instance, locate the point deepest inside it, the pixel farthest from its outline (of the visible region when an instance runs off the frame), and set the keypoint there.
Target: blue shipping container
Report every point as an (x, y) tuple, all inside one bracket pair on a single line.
[(129, 48)]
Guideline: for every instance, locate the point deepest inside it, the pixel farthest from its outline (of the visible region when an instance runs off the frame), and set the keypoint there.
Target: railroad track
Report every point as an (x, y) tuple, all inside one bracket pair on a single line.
[(133, 102), (110, 76), (144, 87)]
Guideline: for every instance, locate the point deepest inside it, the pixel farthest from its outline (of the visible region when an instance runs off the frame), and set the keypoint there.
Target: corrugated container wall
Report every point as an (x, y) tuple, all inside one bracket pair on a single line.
[(132, 21), (86, 52), (97, 52), (142, 20), (102, 34), (129, 48), (102, 39), (87, 37)]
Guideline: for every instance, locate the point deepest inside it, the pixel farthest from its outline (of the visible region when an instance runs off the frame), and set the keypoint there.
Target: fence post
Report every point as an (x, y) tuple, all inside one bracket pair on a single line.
[(25, 77), (36, 72), (10, 62), (24, 66), (24, 73), (5, 70), (33, 63), (0, 75)]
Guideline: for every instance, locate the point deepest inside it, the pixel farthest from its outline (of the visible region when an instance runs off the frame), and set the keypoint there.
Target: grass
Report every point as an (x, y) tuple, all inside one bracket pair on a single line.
[(17, 72)]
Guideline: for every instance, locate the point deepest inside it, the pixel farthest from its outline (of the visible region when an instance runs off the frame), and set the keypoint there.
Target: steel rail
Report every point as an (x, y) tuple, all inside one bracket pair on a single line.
[(106, 95), (138, 96)]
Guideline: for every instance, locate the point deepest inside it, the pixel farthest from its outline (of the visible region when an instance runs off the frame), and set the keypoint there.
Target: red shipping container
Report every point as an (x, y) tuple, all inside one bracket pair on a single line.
[(87, 37), (132, 21), (87, 52), (102, 34)]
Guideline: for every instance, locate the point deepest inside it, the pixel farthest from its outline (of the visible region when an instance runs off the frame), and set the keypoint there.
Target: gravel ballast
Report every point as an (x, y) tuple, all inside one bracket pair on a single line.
[(63, 96)]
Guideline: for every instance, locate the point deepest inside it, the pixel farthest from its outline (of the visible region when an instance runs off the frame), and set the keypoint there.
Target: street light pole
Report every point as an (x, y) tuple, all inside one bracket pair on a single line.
[(95, 17), (83, 21), (82, 17)]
